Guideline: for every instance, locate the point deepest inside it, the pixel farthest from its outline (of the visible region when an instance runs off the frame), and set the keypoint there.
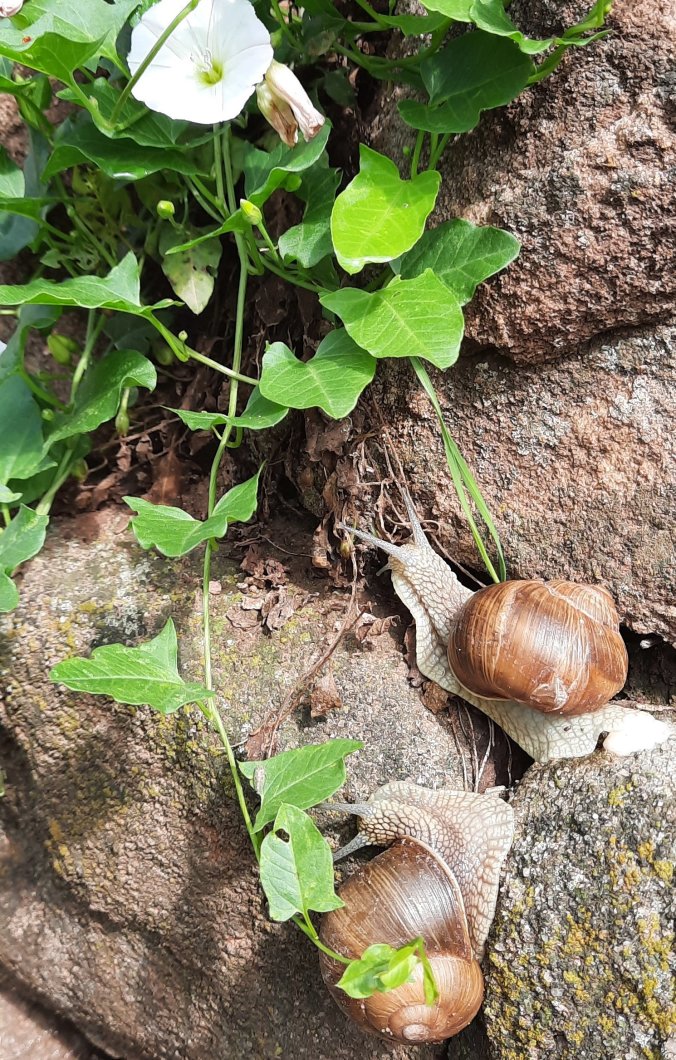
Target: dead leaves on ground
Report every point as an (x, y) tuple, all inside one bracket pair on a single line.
[(266, 600)]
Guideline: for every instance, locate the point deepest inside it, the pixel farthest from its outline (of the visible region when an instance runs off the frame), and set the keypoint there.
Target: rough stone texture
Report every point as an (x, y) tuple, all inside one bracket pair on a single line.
[(581, 960), (580, 168), (576, 460), (27, 1032), (128, 897)]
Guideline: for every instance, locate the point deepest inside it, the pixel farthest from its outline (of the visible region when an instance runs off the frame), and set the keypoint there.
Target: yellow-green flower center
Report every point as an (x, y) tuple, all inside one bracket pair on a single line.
[(212, 75), (209, 70)]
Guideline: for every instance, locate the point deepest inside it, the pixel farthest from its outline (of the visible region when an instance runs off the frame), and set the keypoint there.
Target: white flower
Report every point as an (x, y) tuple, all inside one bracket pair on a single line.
[(11, 7), (209, 66), (287, 89)]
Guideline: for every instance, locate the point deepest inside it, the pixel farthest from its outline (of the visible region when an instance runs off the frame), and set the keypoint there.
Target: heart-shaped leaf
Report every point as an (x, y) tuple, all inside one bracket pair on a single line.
[(461, 255), (380, 216), (302, 778), (147, 674), (332, 380), (297, 871), (408, 318)]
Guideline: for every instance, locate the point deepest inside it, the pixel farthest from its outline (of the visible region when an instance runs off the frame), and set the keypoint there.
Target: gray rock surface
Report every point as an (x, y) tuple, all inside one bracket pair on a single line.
[(581, 960), (128, 897), (579, 168)]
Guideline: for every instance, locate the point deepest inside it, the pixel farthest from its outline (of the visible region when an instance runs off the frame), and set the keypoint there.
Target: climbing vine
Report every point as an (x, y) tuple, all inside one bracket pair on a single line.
[(151, 180)]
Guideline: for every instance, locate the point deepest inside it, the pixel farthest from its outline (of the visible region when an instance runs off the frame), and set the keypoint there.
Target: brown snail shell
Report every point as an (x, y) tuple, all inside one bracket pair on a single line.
[(388, 900), (555, 645), (439, 881)]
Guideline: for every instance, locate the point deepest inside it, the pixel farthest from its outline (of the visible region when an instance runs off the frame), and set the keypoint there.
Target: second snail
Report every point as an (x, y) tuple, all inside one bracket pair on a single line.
[(542, 659)]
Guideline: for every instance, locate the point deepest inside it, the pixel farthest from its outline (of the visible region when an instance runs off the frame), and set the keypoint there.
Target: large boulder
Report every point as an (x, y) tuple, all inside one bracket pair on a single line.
[(580, 168), (128, 897), (576, 459), (564, 400), (581, 960)]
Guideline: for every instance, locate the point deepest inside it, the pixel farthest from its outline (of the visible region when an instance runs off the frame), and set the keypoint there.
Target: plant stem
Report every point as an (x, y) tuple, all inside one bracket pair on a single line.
[(93, 332), (415, 159), (438, 151), (283, 24), (463, 480), (306, 926), (184, 352), (213, 712)]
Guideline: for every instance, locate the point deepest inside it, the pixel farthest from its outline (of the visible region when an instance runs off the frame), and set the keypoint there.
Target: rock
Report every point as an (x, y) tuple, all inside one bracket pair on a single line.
[(576, 460), (580, 169), (581, 957), (128, 897), (27, 1032)]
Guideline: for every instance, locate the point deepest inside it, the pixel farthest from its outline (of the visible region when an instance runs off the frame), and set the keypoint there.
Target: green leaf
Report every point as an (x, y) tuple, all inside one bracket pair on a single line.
[(147, 674), (461, 255), (458, 10), (21, 444), (310, 241), (240, 502), (265, 172), (7, 496), (380, 216), (236, 222), (22, 539), (12, 183), (297, 872), (332, 380), (170, 530), (145, 127), (56, 38), (301, 778), (120, 290), (490, 15), (17, 226), (408, 318), (258, 415), (473, 73), (416, 25), (174, 532), (463, 481), (382, 967), (98, 398), (9, 594), (191, 272), (79, 141), (30, 316)]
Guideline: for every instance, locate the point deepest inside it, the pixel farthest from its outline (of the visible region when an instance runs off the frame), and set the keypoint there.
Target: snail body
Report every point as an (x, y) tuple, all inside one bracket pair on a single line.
[(542, 659), (439, 880)]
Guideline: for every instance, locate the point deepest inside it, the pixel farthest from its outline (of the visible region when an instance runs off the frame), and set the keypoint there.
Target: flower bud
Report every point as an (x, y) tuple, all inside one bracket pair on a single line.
[(10, 7), (251, 212), (61, 348), (122, 423), (286, 88), (278, 114), (165, 209), (80, 470)]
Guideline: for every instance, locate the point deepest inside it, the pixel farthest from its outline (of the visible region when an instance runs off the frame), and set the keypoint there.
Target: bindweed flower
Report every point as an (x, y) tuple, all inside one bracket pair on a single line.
[(10, 7), (278, 113), (209, 66), (287, 92)]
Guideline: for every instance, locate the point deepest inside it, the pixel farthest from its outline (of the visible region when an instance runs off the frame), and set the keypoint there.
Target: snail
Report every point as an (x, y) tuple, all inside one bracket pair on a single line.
[(542, 659), (439, 880)]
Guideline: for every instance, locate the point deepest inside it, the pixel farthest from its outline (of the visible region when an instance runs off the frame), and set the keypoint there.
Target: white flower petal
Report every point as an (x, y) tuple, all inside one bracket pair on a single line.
[(220, 35)]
